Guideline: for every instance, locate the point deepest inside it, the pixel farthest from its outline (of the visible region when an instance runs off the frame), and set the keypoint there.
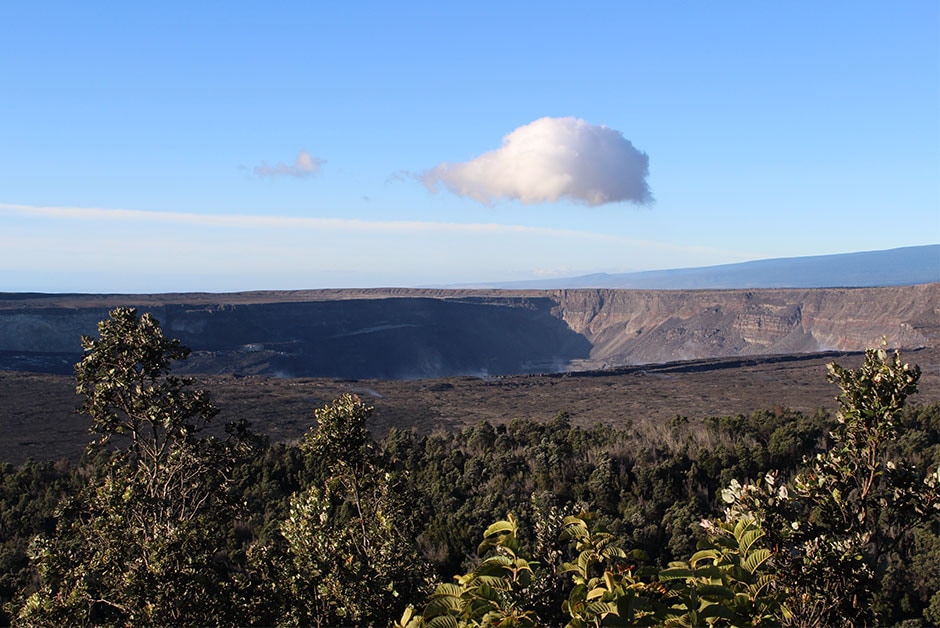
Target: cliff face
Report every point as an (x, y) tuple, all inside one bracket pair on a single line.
[(396, 334), (638, 326), (358, 338)]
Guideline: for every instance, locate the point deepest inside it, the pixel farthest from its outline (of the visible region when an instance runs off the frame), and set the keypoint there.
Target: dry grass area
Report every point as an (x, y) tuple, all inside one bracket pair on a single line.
[(38, 419)]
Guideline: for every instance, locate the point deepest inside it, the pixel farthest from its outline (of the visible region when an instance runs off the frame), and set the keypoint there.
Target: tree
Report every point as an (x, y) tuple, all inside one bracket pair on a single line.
[(859, 505), (848, 517), (144, 542), (349, 540)]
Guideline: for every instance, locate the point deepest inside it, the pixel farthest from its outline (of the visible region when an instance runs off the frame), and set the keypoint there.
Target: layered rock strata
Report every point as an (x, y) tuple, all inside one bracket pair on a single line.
[(400, 333)]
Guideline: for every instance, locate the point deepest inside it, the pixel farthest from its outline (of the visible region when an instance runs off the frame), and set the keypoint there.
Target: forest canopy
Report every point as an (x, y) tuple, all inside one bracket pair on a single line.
[(774, 518)]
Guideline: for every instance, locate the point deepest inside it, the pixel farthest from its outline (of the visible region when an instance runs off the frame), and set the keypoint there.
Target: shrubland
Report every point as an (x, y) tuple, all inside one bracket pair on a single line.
[(777, 518)]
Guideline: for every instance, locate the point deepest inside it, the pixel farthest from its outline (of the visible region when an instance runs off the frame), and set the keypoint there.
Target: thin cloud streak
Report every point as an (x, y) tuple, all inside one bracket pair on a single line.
[(232, 221), (179, 252)]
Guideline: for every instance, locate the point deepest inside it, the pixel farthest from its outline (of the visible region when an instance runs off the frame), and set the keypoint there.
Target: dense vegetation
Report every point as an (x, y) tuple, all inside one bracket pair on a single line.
[(774, 518)]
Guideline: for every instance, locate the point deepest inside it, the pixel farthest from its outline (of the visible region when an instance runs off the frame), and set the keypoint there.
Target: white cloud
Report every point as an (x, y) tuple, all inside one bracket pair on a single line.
[(303, 166), (549, 160)]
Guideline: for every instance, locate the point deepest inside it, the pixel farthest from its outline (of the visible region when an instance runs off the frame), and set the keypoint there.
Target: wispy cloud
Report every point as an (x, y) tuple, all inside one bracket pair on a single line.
[(549, 160), (265, 251), (303, 166), (238, 221)]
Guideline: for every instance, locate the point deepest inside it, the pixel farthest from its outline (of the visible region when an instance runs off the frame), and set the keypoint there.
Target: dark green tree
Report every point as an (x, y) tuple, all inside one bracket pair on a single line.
[(858, 504), (144, 542), (349, 540), (849, 517)]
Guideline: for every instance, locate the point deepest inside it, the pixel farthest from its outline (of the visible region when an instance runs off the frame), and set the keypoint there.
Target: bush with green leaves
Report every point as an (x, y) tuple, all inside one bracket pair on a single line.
[(726, 583), (489, 595)]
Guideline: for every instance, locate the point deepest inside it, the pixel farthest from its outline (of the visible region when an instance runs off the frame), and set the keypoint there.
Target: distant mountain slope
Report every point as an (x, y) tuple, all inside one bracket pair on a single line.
[(895, 267)]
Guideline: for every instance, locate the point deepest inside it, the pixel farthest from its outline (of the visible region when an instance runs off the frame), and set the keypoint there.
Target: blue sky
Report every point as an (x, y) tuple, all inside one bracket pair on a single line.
[(215, 146)]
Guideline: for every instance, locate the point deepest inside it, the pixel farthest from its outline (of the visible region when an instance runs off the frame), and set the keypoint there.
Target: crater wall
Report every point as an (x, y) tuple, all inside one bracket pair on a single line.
[(640, 326), (404, 334)]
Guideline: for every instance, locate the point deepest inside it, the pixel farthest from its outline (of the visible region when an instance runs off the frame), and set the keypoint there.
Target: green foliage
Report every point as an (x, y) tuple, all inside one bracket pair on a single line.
[(348, 541), (824, 549), (178, 528), (143, 542), (728, 581), (847, 524), (29, 496), (607, 589), (858, 504), (124, 378), (489, 595)]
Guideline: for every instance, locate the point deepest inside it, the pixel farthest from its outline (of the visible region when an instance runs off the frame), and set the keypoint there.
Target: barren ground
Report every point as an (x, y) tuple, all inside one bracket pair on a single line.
[(38, 418)]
